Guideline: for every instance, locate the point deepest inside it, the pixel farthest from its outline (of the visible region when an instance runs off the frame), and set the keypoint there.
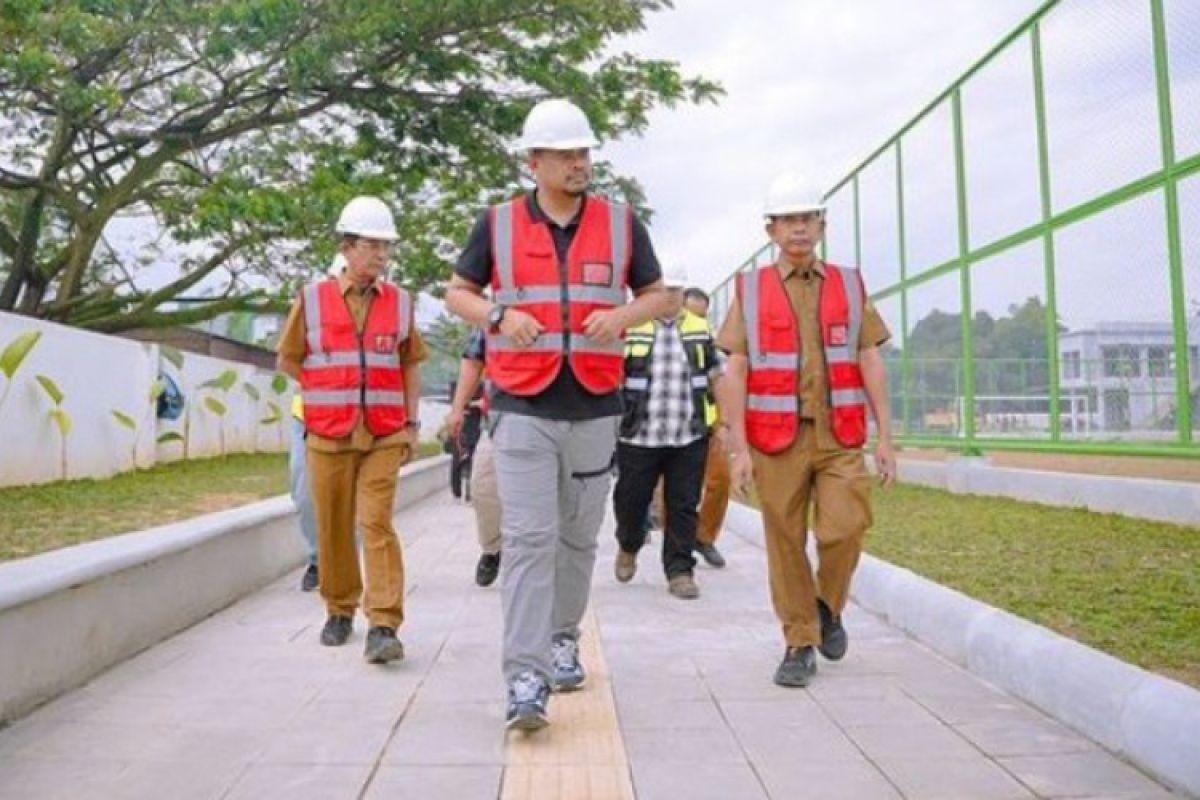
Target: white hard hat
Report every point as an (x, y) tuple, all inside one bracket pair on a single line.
[(556, 125), (368, 217), (675, 277), (792, 193)]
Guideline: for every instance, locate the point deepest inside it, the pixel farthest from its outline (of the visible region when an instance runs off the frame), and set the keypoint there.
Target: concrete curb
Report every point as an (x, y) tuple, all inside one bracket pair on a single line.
[(1144, 498), (69, 614), (1151, 720)]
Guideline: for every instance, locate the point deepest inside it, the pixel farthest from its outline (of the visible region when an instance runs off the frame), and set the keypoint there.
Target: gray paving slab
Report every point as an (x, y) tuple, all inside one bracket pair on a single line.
[(701, 780), (246, 704), (421, 783), (1079, 774)]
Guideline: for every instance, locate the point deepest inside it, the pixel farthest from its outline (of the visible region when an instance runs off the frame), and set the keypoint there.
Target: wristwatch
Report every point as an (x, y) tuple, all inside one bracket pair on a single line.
[(495, 317), (415, 424)]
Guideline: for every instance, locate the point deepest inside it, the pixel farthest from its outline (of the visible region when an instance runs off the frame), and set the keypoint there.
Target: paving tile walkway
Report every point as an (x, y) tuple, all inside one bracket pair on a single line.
[(679, 704)]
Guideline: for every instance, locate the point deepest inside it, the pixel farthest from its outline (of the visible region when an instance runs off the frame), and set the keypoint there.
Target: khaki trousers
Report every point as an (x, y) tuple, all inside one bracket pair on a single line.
[(839, 487), (485, 496), (716, 493), (359, 485)]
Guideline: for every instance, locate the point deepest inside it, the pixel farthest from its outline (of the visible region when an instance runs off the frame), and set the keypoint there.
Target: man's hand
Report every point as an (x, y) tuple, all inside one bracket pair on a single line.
[(454, 423), (604, 326), (521, 328), (885, 462), (741, 474)]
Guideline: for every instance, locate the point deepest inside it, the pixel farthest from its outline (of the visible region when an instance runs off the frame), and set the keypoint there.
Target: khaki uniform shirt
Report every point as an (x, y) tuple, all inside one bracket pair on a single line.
[(292, 346), (804, 294)]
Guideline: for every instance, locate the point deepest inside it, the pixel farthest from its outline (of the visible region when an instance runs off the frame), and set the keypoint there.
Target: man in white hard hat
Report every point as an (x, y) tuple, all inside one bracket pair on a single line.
[(351, 342), (298, 484), (803, 368), (670, 368), (559, 262)]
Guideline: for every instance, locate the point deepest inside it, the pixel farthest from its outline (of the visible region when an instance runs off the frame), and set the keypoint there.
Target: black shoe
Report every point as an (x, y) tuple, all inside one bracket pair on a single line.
[(798, 667), (310, 579), (487, 569), (528, 696), (711, 555), (833, 636), (336, 631), (382, 646)]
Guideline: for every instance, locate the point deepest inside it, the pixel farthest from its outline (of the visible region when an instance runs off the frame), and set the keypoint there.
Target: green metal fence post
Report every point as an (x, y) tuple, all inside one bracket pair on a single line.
[(1183, 402), (964, 249), (857, 227), (905, 361), (1043, 146)]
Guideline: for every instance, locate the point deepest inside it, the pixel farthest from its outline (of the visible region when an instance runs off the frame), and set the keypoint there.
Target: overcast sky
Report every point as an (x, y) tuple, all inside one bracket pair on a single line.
[(818, 85), (814, 85)]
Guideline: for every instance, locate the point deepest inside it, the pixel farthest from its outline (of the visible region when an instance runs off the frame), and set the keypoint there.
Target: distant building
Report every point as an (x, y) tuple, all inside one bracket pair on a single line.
[(1120, 376)]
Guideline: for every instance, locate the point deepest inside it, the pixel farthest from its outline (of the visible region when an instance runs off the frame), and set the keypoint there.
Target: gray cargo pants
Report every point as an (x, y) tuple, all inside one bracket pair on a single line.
[(554, 478)]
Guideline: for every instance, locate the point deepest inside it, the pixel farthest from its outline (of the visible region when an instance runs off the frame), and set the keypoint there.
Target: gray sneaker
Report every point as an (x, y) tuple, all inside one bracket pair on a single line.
[(528, 696), (568, 671), (798, 667)]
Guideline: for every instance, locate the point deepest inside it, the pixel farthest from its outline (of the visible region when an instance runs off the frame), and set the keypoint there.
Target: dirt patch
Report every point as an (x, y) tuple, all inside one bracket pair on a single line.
[(1166, 469), (207, 503)]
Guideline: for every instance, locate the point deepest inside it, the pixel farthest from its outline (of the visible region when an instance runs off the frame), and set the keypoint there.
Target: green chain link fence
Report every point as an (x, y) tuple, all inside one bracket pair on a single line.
[(1032, 239)]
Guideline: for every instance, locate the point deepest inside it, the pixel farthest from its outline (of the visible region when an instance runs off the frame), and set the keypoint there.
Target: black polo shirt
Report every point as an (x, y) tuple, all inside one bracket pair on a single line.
[(565, 398)]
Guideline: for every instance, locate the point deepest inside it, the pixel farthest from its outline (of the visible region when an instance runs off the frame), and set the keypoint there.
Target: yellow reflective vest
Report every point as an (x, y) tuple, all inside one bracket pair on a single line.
[(697, 343)]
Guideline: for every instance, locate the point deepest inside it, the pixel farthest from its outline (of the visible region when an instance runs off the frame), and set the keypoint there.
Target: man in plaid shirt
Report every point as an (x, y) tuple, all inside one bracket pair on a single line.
[(670, 365)]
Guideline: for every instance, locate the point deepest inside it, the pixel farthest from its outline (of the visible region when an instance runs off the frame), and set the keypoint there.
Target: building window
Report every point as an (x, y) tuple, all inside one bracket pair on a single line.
[(1160, 361), (1071, 368), (1121, 361)]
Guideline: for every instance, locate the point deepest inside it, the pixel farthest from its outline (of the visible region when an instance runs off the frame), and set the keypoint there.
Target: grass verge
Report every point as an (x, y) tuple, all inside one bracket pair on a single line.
[(1127, 586), (35, 519)]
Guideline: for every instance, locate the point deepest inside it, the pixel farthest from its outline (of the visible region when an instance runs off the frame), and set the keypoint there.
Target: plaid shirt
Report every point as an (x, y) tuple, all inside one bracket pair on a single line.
[(669, 409)]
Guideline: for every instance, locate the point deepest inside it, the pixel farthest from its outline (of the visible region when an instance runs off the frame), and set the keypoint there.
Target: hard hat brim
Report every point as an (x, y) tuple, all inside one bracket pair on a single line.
[(526, 145), (370, 233), (800, 208)]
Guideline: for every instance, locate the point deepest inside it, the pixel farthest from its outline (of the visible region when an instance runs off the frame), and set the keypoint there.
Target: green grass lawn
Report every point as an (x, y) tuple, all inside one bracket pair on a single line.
[(1126, 586), (34, 519)]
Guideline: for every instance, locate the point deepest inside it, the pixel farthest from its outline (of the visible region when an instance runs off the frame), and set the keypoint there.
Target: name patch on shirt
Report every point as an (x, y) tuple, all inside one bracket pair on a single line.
[(384, 343), (838, 335), (596, 273)]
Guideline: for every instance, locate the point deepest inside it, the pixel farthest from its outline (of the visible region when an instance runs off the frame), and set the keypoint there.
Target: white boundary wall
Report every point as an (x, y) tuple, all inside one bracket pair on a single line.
[(98, 374)]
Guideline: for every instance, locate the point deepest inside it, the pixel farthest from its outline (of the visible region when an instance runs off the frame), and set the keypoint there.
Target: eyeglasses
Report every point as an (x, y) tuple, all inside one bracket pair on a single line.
[(375, 245)]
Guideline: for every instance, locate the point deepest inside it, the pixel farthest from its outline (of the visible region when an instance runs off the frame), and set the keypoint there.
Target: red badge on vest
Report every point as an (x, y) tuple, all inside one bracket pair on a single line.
[(384, 343), (597, 274), (838, 335)]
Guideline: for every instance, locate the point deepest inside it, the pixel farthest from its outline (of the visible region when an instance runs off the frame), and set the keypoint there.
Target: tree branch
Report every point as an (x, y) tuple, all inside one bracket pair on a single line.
[(253, 303)]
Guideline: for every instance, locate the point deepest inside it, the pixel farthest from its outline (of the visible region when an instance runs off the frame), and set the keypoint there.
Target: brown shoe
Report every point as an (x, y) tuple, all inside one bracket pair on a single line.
[(626, 566), (684, 587)]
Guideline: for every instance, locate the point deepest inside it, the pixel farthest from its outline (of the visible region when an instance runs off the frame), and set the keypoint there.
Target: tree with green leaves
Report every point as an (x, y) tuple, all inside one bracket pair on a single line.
[(238, 128)]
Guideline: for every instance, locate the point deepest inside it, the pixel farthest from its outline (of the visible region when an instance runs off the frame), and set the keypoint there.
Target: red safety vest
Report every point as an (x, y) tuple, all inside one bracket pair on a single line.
[(525, 275), (774, 357), (343, 372)]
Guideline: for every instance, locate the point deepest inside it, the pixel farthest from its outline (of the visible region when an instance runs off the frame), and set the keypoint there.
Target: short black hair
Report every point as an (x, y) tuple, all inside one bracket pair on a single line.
[(697, 293)]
